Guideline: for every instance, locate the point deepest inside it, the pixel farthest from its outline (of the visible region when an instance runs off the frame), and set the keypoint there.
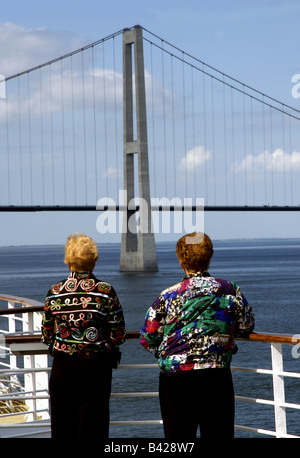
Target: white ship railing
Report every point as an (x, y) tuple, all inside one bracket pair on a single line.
[(22, 355)]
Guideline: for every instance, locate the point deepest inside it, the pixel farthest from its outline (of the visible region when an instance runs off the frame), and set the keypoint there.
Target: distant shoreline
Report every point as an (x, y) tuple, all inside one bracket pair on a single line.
[(160, 242)]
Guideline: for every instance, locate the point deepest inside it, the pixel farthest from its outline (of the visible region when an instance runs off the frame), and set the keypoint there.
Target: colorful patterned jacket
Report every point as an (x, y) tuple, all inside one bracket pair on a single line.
[(192, 324), (82, 316)]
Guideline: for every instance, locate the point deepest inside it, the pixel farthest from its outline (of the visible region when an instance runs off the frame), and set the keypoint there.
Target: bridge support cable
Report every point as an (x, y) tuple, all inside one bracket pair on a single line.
[(231, 143), (209, 135), (60, 129)]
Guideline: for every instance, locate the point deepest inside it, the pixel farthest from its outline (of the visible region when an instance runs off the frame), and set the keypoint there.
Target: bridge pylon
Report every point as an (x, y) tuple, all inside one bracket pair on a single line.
[(138, 251)]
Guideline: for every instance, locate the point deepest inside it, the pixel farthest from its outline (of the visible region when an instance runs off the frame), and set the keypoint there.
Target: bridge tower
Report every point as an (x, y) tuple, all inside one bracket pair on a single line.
[(138, 251)]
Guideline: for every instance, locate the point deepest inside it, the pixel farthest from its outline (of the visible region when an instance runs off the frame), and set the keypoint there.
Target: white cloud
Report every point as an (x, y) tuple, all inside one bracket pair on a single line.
[(278, 161), (61, 87), (194, 158), (112, 172), (23, 48), (159, 96)]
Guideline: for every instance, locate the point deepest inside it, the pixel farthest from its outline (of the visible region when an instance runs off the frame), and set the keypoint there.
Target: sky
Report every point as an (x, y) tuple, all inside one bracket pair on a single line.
[(254, 41)]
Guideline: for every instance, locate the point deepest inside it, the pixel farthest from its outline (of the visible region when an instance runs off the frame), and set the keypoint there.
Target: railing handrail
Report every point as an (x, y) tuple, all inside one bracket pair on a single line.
[(21, 300), (268, 337), (132, 335), (36, 306)]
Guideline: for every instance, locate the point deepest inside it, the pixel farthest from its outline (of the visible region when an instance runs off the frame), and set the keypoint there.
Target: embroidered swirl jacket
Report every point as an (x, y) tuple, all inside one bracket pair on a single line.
[(192, 324), (82, 316)]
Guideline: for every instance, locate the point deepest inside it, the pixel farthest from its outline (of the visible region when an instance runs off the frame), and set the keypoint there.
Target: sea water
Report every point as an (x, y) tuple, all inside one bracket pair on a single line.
[(268, 273)]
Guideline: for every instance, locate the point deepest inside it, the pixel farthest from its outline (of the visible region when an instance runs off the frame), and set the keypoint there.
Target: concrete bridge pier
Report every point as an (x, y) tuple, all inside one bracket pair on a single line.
[(138, 251)]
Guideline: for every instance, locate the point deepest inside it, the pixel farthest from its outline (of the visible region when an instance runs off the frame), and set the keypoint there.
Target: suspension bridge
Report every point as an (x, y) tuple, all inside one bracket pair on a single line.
[(131, 115)]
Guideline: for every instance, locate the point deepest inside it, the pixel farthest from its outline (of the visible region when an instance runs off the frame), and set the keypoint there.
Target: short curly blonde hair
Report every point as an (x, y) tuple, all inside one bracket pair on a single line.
[(81, 253), (194, 251)]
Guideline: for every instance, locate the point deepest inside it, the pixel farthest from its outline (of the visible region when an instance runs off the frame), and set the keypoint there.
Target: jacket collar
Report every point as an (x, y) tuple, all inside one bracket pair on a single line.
[(80, 275), (196, 274)]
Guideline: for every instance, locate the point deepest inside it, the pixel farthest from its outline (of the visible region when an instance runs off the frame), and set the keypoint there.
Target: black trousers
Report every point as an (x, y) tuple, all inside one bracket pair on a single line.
[(79, 397), (197, 398)]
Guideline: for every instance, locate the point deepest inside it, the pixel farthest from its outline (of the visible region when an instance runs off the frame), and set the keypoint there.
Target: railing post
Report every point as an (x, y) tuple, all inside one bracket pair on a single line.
[(11, 330), (36, 381), (278, 389), (29, 378)]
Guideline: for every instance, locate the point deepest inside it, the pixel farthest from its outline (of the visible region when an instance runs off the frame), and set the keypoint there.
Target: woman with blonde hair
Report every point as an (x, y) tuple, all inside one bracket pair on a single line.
[(190, 328), (83, 325)]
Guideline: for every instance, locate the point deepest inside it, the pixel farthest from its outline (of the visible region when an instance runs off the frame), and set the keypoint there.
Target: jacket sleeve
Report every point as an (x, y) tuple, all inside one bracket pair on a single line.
[(116, 321), (47, 324), (245, 318), (152, 332)]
